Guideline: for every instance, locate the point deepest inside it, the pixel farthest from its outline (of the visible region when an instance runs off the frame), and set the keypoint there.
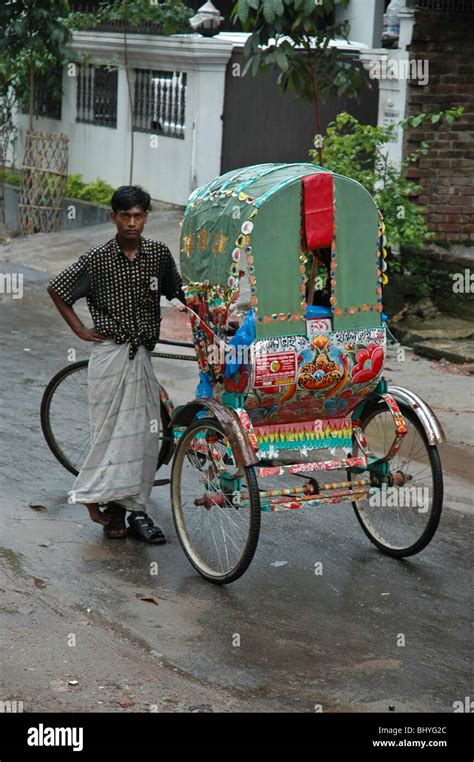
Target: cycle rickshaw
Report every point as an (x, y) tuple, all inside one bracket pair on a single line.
[(284, 266)]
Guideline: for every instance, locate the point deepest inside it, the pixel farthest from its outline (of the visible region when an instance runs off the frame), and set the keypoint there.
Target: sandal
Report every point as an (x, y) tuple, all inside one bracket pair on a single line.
[(115, 529), (141, 526)]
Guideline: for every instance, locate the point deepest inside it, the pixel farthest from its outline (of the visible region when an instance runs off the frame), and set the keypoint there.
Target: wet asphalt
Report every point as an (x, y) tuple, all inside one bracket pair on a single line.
[(307, 641)]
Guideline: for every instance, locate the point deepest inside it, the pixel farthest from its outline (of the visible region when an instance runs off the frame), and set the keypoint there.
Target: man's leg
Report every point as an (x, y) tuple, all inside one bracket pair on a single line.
[(140, 523), (96, 514), (112, 518), (125, 409)]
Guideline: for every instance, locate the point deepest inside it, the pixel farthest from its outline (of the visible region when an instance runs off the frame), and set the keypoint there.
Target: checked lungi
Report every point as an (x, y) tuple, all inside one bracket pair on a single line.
[(124, 412)]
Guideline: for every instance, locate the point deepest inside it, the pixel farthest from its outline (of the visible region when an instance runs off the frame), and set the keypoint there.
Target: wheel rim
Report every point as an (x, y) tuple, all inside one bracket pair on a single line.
[(68, 417), (214, 535), (397, 517), (68, 425)]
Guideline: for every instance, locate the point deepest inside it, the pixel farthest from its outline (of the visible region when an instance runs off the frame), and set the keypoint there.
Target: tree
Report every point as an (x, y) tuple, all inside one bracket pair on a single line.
[(295, 35), (33, 40)]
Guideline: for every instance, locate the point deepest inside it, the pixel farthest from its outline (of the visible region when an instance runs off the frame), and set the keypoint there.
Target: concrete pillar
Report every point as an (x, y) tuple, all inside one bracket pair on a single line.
[(391, 63), (365, 18)]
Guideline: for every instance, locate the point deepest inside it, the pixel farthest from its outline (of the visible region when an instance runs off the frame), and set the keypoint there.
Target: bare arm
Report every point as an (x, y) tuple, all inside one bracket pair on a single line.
[(73, 320)]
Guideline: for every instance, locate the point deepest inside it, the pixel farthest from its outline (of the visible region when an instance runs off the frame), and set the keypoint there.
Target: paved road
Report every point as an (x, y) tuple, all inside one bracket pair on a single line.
[(73, 601)]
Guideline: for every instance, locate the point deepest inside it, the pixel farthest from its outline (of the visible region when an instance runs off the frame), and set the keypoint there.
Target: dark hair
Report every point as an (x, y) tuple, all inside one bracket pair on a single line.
[(130, 195)]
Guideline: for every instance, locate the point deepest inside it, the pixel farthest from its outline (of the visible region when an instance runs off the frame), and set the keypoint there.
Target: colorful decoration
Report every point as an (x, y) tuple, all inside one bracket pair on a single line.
[(335, 371), (219, 244), (382, 254), (279, 504), (203, 239), (300, 468), (187, 244), (308, 435), (400, 426), (369, 363), (247, 424)]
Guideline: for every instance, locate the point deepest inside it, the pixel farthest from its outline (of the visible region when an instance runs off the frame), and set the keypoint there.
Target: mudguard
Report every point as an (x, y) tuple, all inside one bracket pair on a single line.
[(244, 453), (433, 429)]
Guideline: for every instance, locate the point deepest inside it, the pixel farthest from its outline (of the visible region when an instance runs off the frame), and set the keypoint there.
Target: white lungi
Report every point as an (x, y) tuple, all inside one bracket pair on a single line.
[(124, 411)]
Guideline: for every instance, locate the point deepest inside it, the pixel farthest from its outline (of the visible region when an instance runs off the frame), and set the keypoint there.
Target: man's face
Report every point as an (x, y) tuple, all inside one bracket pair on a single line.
[(130, 222)]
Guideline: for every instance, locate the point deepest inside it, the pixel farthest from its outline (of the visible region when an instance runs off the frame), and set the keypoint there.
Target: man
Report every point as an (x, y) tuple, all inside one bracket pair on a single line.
[(122, 281)]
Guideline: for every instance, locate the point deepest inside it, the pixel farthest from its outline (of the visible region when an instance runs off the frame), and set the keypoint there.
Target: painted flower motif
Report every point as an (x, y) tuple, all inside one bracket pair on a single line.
[(368, 365), (320, 341), (238, 382), (303, 404), (335, 406), (352, 398)]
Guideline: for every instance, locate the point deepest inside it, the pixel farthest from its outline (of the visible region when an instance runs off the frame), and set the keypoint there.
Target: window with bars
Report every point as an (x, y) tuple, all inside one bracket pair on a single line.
[(96, 99), (159, 102), (48, 96)]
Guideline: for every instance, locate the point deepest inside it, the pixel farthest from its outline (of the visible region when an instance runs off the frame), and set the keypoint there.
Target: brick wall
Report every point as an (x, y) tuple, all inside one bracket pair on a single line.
[(446, 39)]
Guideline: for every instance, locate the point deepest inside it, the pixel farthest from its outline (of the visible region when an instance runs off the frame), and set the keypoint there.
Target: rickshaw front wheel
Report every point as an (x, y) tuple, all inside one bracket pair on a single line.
[(215, 503), (402, 514)]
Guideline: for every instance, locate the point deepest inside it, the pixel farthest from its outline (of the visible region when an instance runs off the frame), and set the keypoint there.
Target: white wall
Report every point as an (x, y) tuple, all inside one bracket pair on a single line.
[(174, 167), (365, 18)]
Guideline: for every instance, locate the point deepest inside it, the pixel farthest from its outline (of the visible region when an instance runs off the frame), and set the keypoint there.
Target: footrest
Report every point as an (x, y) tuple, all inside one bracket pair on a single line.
[(323, 465), (284, 503)]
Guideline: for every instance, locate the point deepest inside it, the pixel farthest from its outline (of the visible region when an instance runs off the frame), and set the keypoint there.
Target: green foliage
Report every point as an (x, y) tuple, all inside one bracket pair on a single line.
[(425, 279), (171, 15), (33, 38), (98, 192), (74, 186), (356, 150), (295, 35), (78, 21), (448, 116), (11, 178)]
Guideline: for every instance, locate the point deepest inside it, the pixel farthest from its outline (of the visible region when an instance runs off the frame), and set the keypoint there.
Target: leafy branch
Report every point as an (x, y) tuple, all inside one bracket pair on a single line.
[(295, 36), (357, 150)]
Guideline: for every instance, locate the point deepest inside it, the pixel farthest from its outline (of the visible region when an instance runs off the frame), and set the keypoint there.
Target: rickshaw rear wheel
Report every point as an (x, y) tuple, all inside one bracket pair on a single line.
[(215, 503), (65, 418), (402, 525)]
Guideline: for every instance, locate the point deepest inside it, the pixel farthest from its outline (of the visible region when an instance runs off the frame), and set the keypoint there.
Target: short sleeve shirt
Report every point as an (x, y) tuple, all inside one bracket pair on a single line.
[(123, 296)]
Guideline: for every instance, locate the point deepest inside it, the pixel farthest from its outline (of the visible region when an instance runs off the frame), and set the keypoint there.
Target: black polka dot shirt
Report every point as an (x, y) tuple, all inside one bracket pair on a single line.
[(123, 295)]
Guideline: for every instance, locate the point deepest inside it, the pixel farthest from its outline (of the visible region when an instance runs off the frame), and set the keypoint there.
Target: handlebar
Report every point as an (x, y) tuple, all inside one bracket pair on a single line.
[(172, 343)]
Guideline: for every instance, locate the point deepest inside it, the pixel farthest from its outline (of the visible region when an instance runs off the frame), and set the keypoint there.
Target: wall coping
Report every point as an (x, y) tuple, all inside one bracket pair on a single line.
[(148, 51)]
